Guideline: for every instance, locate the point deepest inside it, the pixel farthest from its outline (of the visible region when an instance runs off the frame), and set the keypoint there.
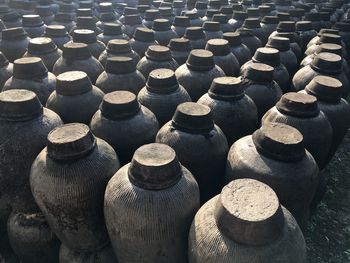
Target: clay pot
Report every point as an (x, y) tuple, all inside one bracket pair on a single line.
[(44, 48), (239, 50), (196, 36), (259, 85), (124, 123), (111, 31), (68, 180), (253, 24), (104, 255), (120, 74), (143, 38), (156, 57), (212, 30), (180, 49), (163, 32), (223, 56), (305, 32), (118, 48), (249, 39), (325, 64), (14, 43), (12, 19), (77, 57), (198, 73), (31, 238), (88, 37), (58, 34), (6, 69), (233, 111), (31, 74), (269, 24), (199, 144), (271, 57), (275, 155), (65, 19), (33, 25), (180, 24), (156, 174), (233, 220), (75, 91), (162, 94), (131, 23)]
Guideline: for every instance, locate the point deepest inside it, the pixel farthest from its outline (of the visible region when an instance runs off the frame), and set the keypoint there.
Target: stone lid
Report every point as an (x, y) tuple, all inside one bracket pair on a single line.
[(84, 12), (233, 38), (267, 55), (260, 73), (211, 26), (73, 83), (270, 20), (41, 45), (325, 88), (162, 81), (180, 44), (226, 88), (252, 23), (118, 46), (32, 21), (132, 20), (56, 31), (86, 36), (158, 53), (286, 26), (200, 60), (29, 68), (13, 33), (182, 21), (194, 33), (144, 34), (78, 51), (64, 17), (161, 24), (219, 47), (304, 26), (221, 18), (280, 43), (86, 22), (120, 65), (240, 15), (331, 48), (151, 14), (211, 12), (112, 29), (330, 38), (328, 63)]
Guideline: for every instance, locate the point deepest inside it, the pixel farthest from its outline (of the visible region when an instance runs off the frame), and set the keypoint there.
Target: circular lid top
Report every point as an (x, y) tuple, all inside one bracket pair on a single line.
[(266, 55), (210, 12), (41, 45), (279, 142), (180, 44), (105, 7), (132, 20), (154, 167), (298, 105), (19, 105), (56, 30), (327, 63), (144, 34), (240, 15), (219, 47), (32, 21), (158, 53), (304, 26), (86, 36), (162, 81), (70, 141), (233, 38), (161, 24), (286, 26), (194, 33), (75, 51), (331, 48), (200, 60), (191, 15), (182, 21), (211, 26), (251, 23), (280, 43), (72, 83), (119, 105), (118, 46), (193, 118), (296, 12), (86, 22), (84, 12), (30, 68), (328, 31), (325, 88), (226, 88), (120, 65), (3, 60), (151, 14), (108, 17), (13, 33), (270, 20), (249, 212), (221, 18), (112, 29), (330, 38), (259, 72), (64, 17)]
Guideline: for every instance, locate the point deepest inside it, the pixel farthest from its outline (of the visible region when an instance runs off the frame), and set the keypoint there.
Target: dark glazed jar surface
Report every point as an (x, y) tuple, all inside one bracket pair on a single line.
[(14, 43), (6, 70), (241, 51), (68, 180), (200, 145), (180, 49), (124, 123), (153, 187), (249, 39), (248, 220)]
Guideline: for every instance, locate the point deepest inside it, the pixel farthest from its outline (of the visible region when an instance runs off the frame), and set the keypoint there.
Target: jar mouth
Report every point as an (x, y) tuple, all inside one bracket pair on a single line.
[(269, 56), (219, 47), (200, 60), (73, 83), (259, 72), (79, 51), (41, 45), (226, 88), (328, 63), (325, 88), (158, 53)]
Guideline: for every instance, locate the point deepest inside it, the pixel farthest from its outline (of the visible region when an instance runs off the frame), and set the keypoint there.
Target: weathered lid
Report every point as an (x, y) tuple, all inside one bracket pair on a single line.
[(286, 26), (128, 10), (325, 88), (328, 63), (342, 26), (120, 65), (226, 88), (211, 12), (227, 10), (112, 29), (132, 20), (162, 81), (258, 72), (279, 142), (3, 60), (240, 15), (191, 15), (267, 55), (221, 18), (144, 34), (105, 7), (219, 47), (331, 48), (142, 8), (86, 36), (161, 24), (296, 12), (154, 167), (298, 105), (233, 38), (84, 12), (72, 83), (211, 26), (86, 22), (118, 46), (253, 12), (180, 44), (32, 21), (283, 16), (200, 60), (70, 141), (41, 45), (280, 43), (56, 31), (328, 31), (13, 33), (119, 104), (30, 68), (182, 21), (19, 105), (249, 213), (151, 14), (75, 51), (67, 7), (252, 23), (270, 20), (330, 38), (237, 7), (200, 5), (193, 118), (158, 53), (64, 17), (304, 26), (194, 33)]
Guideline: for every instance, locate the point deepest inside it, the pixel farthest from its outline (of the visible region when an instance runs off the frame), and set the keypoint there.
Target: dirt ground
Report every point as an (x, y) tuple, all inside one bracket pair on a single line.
[(328, 233)]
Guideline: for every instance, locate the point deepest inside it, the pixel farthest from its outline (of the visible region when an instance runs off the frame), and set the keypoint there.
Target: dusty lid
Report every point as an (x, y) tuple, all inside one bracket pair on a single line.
[(3, 60), (194, 33), (108, 17), (67, 7), (219, 47), (273, 20), (210, 12), (151, 14), (233, 38), (144, 34), (200, 60), (221, 18), (304, 26), (76, 51), (328, 63), (280, 43), (240, 15), (286, 26), (342, 26), (70, 141), (328, 31), (161, 24), (253, 12), (267, 55), (227, 10), (120, 65), (86, 22), (13, 33), (158, 53), (192, 15), (211, 26), (84, 12), (112, 29), (162, 81), (132, 20), (252, 23), (330, 38), (180, 44), (226, 88), (249, 213), (298, 105), (283, 16), (86, 36), (119, 105), (330, 48), (64, 17), (41, 45), (142, 8), (201, 5), (56, 31), (193, 118), (237, 7), (182, 21), (154, 167), (29, 68), (72, 83), (105, 7), (260, 73), (19, 105), (279, 142), (325, 88), (32, 21), (118, 46)]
